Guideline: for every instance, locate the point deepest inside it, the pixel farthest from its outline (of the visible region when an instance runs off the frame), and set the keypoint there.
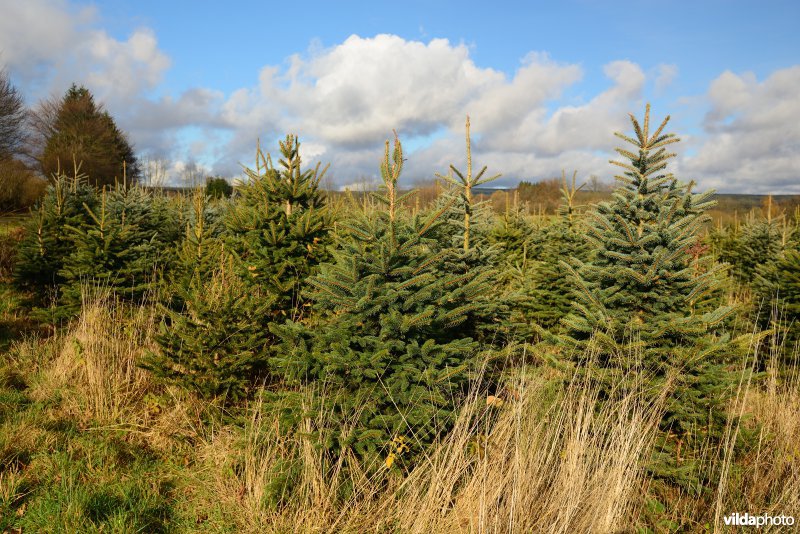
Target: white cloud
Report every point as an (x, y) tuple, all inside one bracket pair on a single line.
[(345, 100), (119, 70), (49, 45), (36, 33), (665, 75), (752, 141)]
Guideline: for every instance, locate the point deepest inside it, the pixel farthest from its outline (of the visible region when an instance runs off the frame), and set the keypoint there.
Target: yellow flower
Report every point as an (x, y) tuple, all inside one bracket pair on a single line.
[(390, 459)]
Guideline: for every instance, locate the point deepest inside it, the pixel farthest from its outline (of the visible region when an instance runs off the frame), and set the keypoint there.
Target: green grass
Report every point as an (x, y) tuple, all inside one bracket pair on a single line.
[(57, 475), (10, 222)]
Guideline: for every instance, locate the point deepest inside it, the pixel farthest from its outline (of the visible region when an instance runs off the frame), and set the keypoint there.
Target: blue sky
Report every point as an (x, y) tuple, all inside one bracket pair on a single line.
[(545, 82)]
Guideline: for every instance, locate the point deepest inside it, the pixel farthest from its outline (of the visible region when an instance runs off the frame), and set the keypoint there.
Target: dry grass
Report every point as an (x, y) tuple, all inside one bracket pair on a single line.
[(552, 458), (95, 370), (556, 461)]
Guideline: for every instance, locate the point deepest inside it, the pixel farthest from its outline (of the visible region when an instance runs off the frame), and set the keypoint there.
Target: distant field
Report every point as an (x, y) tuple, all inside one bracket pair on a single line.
[(7, 222)]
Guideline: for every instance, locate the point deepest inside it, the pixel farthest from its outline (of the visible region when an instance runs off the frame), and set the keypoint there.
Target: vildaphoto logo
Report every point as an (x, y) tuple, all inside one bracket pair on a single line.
[(747, 520)]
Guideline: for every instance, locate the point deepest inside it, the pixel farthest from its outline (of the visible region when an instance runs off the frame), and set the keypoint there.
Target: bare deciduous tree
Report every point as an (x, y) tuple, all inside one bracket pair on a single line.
[(155, 171), (192, 174), (12, 118)]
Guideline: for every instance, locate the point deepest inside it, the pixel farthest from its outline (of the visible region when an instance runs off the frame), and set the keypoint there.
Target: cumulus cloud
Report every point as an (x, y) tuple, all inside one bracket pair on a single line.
[(49, 44), (752, 136), (37, 33), (345, 100)]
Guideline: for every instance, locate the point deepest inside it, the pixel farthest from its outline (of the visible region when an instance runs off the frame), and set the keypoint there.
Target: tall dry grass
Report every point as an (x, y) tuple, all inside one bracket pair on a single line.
[(95, 369), (548, 459), (552, 458)]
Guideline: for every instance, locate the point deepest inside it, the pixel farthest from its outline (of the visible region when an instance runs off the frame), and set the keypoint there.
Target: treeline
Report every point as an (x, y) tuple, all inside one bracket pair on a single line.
[(389, 312)]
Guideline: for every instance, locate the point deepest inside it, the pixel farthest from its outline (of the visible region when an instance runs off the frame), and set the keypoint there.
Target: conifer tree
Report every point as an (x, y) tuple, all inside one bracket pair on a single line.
[(118, 248), (82, 131), (760, 243), (213, 339), (279, 226), (47, 242), (545, 291), (634, 320), (386, 338), (463, 238), (511, 234), (777, 286)]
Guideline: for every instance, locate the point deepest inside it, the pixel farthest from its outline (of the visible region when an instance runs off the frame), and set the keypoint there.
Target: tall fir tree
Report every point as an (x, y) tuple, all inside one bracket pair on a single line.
[(386, 337), (279, 226), (634, 322), (81, 131)]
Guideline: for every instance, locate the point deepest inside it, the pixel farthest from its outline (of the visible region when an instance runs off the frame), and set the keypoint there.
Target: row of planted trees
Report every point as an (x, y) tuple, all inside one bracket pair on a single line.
[(389, 313)]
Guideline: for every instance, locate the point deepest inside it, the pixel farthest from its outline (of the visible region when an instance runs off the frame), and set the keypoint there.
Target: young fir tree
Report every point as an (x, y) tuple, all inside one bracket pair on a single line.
[(386, 338), (279, 227), (544, 289), (634, 321), (462, 237), (777, 288), (511, 234), (116, 249), (212, 340), (47, 241), (760, 242)]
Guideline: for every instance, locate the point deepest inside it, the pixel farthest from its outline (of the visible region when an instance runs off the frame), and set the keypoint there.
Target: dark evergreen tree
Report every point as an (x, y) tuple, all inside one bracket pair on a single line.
[(386, 339), (218, 188), (81, 132), (634, 321), (212, 340), (279, 226)]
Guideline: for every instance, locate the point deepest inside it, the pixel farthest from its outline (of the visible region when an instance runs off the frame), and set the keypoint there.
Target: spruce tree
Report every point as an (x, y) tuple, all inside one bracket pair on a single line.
[(634, 321), (47, 243), (463, 239), (118, 248), (511, 234), (544, 291), (386, 336), (279, 226), (759, 243), (777, 288), (213, 339)]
